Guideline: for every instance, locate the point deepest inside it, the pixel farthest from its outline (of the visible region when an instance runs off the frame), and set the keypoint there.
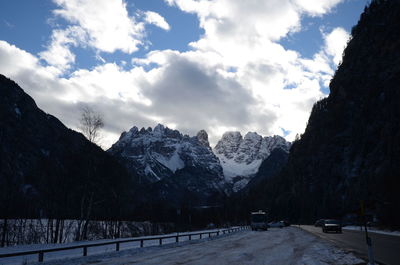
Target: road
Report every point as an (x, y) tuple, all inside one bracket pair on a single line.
[(386, 248), (286, 246)]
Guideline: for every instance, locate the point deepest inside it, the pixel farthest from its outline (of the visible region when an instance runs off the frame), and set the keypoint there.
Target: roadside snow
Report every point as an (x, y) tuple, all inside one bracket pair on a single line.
[(92, 251), (276, 246), (373, 230)]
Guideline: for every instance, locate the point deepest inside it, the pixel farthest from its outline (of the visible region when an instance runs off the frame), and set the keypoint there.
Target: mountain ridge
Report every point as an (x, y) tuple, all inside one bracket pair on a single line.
[(158, 153), (47, 169)]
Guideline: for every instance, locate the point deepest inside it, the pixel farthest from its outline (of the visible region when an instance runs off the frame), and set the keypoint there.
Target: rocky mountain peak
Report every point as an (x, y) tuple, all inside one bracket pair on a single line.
[(202, 137), (233, 136), (159, 129), (229, 144), (159, 153), (252, 136), (241, 156)]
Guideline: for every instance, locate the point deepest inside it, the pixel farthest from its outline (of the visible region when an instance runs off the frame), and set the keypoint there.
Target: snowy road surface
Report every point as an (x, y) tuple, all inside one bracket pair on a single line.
[(289, 245)]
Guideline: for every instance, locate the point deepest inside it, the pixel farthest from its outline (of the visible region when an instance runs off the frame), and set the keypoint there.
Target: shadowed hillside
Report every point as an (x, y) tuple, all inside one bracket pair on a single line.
[(350, 150), (48, 170)]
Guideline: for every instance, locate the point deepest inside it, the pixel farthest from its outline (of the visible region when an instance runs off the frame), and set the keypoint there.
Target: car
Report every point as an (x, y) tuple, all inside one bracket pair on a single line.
[(319, 223), (332, 225), (279, 224)]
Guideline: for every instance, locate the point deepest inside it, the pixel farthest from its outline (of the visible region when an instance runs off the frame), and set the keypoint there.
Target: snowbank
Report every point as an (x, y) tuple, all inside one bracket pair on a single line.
[(373, 230)]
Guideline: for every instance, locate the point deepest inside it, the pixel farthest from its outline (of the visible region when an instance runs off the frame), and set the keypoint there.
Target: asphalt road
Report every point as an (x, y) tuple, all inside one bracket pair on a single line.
[(386, 248)]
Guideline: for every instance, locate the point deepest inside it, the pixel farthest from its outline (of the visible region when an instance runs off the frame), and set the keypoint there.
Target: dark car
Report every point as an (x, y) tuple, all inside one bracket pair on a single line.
[(319, 223), (332, 225)]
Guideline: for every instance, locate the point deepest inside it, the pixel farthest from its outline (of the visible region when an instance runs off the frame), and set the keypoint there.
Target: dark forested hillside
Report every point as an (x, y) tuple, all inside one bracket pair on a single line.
[(48, 170), (350, 151)]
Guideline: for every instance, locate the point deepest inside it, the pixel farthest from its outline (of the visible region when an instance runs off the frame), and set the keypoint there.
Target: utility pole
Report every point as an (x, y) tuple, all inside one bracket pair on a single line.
[(367, 238)]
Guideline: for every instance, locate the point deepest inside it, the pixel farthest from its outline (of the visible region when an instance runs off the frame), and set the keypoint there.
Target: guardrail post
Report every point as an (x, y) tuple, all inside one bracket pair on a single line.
[(201, 235), (217, 233), (190, 237), (177, 239), (117, 246), (160, 241), (85, 251), (141, 243), (40, 258)]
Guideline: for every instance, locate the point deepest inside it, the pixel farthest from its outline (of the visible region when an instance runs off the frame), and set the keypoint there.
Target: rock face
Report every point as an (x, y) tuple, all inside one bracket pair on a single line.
[(241, 157), (162, 156), (270, 167), (48, 169), (350, 151), (159, 153)]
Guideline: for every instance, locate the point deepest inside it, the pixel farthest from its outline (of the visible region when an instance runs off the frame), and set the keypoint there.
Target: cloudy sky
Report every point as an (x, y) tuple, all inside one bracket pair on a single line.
[(218, 65)]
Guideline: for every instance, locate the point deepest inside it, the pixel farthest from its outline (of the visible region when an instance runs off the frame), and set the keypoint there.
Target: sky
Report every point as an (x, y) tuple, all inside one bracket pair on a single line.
[(218, 65)]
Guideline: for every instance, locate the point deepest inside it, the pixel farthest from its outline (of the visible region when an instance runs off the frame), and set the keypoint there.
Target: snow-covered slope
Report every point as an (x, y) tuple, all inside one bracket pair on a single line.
[(159, 153), (241, 157)]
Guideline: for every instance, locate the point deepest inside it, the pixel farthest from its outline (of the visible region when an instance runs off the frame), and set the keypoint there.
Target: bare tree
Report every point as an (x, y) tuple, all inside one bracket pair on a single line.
[(90, 124)]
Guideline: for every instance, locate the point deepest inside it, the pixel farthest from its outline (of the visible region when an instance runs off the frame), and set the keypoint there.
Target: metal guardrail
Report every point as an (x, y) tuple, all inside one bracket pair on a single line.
[(118, 242)]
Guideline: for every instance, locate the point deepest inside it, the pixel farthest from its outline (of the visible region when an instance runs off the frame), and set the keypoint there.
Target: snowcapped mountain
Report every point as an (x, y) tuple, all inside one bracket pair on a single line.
[(162, 155), (159, 153), (241, 157)]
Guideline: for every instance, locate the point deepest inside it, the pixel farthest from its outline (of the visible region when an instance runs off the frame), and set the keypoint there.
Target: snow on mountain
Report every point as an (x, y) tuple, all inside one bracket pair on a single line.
[(158, 153), (241, 157)]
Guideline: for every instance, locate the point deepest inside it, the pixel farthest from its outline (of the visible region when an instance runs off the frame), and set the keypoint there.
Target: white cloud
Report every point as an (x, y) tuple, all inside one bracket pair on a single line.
[(243, 35), (104, 25), (335, 42), (58, 52), (107, 23), (107, 88), (17, 62), (156, 19), (317, 7), (105, 81), (236, 77)]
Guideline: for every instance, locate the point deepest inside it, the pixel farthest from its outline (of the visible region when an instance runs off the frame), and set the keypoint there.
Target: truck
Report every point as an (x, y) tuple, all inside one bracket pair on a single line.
[(259, 220)]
